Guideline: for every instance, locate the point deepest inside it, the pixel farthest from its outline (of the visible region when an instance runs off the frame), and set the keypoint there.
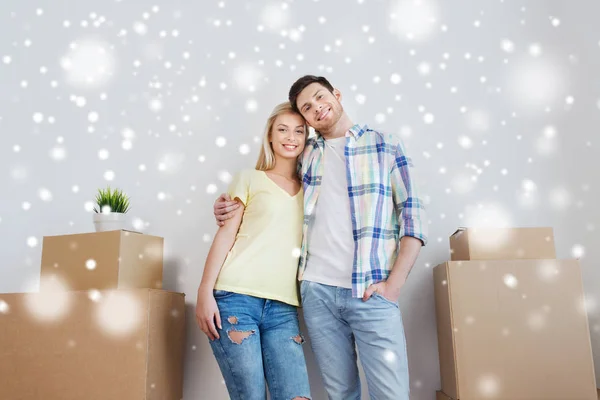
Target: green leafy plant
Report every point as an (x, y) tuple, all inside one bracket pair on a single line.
[(114, 199)]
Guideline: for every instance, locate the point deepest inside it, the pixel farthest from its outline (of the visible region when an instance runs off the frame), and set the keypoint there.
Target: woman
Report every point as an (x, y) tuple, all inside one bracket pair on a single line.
[(248, 297)]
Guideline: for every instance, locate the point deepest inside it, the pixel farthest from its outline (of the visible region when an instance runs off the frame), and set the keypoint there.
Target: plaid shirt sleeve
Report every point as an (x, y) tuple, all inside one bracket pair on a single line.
[(409, 205)]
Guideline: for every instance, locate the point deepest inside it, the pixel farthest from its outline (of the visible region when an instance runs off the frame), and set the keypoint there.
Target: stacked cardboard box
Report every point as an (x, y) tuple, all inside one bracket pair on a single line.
[(511, 319), (101, 326)]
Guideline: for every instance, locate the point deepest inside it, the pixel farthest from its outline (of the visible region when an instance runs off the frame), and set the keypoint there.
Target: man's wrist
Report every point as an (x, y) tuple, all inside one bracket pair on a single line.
[(395, 282)]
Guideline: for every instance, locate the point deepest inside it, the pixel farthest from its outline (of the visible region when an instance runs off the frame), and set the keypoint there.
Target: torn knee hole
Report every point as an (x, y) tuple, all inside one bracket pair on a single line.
[(232, 320), (238, 337), (298, 339)]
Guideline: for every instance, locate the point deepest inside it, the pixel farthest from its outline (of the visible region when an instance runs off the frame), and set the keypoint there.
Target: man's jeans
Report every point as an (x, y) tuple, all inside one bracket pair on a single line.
[(336, 322)]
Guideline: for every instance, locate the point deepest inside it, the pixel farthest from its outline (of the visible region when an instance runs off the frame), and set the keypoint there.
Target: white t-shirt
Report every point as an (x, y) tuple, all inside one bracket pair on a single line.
[(330, 241)]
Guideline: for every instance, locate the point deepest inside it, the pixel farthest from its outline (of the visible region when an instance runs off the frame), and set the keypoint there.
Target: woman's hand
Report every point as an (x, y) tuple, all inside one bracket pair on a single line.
[(207, 313)]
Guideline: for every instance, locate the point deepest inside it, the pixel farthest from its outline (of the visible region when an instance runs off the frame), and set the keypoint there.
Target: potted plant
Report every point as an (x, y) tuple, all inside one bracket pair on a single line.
[(110, 210)]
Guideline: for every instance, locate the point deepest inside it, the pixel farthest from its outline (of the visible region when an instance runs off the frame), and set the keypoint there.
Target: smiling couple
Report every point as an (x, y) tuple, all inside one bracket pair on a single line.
[(346, 204)]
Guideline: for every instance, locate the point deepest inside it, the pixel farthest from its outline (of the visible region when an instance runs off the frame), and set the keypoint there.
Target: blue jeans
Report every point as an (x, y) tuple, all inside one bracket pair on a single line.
[(267, 344), (337, 323)]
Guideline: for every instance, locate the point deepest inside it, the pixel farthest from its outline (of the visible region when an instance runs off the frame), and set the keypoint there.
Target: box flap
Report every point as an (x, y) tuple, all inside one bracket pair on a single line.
[(442, 396), (446, 347), (458, 232), (490, 243), (130, 231)]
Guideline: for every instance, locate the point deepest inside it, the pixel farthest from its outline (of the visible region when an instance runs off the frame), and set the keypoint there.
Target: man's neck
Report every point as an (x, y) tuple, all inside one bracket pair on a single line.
[(339, 129)]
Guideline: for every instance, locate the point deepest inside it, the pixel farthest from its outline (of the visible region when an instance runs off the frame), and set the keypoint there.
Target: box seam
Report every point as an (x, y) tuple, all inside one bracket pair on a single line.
[(587, 321), (147, 346), (452, 333)]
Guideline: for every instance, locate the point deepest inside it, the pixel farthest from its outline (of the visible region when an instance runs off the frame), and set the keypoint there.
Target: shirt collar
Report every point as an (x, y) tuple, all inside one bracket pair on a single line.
[(356, 131)]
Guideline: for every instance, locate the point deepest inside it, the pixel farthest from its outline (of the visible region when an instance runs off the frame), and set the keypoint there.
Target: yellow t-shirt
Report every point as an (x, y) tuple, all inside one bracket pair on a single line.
[(263, 262)]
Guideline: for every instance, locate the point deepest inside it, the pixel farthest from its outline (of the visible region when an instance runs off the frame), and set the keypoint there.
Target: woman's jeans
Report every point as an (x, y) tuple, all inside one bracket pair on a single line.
[(260, 343)]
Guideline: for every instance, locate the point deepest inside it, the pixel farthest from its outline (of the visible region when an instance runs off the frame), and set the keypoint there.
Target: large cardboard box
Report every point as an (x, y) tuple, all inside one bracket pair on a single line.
[(102, 260), (439, 395), (502, 244), (513, 329), (118, 344)]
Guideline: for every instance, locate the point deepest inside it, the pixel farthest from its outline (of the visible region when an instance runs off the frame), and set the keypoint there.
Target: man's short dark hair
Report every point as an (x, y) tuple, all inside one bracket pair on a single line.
[(302, 83)]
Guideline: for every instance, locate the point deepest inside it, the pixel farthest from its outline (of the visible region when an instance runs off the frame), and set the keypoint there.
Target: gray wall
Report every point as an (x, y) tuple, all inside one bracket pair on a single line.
[(498, 102)]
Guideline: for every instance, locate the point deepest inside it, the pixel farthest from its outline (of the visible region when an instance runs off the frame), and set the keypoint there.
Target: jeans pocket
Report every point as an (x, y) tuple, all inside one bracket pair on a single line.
[(385, 299), (221, 294), (303, 288)]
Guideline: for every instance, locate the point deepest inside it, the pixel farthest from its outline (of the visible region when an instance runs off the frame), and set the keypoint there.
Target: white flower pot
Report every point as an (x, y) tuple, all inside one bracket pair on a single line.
[(109, 221)]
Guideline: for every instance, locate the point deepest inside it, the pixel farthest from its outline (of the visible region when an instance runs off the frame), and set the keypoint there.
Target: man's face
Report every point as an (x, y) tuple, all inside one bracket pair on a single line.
[(321, 108)]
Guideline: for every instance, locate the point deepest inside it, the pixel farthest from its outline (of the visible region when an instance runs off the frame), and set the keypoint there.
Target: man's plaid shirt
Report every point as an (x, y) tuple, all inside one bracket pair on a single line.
[(384, 201)]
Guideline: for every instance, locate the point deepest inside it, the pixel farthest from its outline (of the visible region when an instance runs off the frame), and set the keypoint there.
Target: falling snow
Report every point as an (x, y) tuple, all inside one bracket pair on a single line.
[(170, 107), (90, 264)]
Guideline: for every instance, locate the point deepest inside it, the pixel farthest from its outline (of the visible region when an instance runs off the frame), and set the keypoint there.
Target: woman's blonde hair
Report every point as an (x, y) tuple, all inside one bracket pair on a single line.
[(266, 158)]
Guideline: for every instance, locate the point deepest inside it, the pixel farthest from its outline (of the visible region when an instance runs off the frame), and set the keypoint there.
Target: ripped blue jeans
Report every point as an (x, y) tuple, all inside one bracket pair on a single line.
[(260, 343)]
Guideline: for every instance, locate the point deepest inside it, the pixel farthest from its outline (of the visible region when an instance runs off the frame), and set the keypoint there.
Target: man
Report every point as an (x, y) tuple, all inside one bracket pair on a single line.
[(364, 226)]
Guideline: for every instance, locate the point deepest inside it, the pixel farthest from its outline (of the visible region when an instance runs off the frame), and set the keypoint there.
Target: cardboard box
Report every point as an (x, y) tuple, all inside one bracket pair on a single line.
[(102, 260), (514, 330), (443, 396), (118, 344), (502, 244)]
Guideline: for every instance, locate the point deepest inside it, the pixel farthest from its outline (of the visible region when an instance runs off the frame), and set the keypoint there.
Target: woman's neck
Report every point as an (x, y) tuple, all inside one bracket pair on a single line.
[(285, 167)]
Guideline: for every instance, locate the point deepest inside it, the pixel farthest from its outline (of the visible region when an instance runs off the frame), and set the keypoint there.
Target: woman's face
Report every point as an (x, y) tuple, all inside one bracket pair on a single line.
[(288, 135)]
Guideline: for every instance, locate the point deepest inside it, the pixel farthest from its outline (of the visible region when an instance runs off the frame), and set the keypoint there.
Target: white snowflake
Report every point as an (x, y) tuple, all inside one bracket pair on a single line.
[(140, 28), (424, 69), (275, 16), (535, 49), (535, 84), (119, 313), (488, 386), (103, 154), (138, 224), (109, 175), (510, 281), (465, 142), (38, 118), (51, 304), (244, 149), (88, 64), (251, 105), (220, 141), (578, 251), (413, 19), (247, 77), (536, 320), (45, 194), (462, 183), (211, 188), (560, 198), (90, 264), (225, 177)]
